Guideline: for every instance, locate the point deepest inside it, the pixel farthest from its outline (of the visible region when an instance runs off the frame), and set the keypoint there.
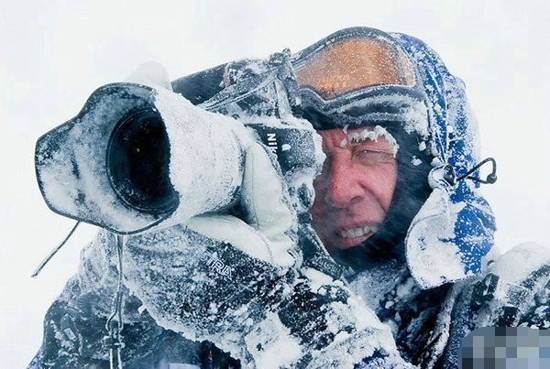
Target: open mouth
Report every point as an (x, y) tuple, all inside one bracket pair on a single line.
[(356, 232)]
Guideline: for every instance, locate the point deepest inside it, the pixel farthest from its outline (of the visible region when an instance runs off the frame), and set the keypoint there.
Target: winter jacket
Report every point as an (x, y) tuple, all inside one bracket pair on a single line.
[(75, 325)]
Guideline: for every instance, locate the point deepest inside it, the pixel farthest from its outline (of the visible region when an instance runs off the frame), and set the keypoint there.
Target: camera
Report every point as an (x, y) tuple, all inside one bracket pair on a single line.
[(136, 156)]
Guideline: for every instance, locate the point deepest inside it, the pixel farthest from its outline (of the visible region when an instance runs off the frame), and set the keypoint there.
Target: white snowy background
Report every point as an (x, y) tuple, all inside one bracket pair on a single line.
[(55, 53)]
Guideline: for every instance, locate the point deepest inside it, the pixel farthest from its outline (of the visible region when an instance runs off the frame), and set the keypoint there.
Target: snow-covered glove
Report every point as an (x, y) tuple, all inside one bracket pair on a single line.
[(240, 280)]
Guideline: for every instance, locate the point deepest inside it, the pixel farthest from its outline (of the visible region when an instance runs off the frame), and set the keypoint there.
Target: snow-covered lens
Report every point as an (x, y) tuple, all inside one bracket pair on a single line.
[(138, 158)]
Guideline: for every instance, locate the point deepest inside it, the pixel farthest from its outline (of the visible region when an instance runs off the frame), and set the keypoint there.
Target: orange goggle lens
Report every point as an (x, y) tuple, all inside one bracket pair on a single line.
[(354, 63)]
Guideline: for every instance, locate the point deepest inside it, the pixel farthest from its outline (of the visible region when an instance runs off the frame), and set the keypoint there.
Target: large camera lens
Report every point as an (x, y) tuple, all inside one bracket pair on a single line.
[(138, 160)]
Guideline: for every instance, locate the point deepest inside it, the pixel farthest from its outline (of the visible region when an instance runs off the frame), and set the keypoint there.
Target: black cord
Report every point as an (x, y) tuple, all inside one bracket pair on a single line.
[(114, 323), (490, 179), (54, 251)]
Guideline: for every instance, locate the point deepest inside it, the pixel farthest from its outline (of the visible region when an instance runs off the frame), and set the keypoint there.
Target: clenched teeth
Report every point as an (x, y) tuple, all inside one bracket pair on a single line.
[(356, 232)]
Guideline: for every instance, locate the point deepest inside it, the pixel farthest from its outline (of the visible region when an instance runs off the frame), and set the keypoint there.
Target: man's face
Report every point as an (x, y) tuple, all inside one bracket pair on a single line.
[(355, 189)]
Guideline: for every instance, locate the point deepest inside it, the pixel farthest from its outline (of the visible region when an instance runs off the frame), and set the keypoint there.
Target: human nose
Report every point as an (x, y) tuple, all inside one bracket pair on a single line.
[(343, 187)]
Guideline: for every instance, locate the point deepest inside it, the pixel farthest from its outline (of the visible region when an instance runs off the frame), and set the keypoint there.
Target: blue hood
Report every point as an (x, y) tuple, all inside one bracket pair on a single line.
[(454, 229)]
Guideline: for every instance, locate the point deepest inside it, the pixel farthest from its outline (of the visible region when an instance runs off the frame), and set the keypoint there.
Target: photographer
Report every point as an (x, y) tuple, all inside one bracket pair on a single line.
[(396, 204)]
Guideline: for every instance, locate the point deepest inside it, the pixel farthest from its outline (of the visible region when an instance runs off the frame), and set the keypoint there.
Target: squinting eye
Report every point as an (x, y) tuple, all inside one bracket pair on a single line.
[(371, 157)]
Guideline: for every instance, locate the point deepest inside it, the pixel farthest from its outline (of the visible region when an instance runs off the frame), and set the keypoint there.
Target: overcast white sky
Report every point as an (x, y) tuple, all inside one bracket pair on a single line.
[(55, 53)]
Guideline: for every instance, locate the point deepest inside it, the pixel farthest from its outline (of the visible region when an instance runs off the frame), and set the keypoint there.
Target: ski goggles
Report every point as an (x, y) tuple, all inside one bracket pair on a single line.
[(357, 76)]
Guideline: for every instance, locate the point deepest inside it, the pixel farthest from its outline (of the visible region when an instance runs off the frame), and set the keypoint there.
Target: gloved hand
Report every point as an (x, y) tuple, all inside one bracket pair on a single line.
[(240, 280)]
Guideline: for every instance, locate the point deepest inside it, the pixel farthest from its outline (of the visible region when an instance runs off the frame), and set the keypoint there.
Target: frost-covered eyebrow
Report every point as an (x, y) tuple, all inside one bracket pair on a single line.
[(372, 134)]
